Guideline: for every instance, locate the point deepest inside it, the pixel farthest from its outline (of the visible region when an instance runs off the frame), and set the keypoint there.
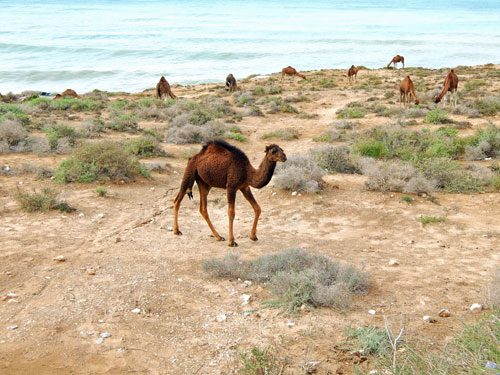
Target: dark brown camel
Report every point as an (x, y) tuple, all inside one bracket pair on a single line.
[(231, 83), (407, 91), (396, 59), (68, 93), (224, 166), (289, 71), (451, 86), (352, 72), (163, 89)]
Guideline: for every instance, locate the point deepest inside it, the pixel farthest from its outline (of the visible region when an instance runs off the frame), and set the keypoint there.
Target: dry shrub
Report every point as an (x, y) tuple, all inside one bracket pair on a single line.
[(41, 201), (299, 173), (297, 277), (13, 136), (335, 159)]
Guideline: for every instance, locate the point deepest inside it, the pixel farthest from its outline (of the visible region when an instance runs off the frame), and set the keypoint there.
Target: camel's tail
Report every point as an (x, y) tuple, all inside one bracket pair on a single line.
[(187, 183)]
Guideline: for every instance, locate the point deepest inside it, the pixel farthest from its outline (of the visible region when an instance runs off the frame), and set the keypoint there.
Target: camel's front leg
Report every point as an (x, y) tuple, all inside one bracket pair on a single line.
[(247, 193), (231, 199)]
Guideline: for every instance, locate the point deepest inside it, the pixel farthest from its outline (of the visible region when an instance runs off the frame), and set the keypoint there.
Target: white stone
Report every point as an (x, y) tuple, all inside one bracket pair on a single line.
[(393, 262), (290, 324), (105, 335), (245, 298), (136, 310), (11, 328), (99, 341), (428, 319), (247, 283), (444, 313), (100, 216), (294, 193), (81, 214), (475, 307), (60, 258), (372, 312), (221, 318)]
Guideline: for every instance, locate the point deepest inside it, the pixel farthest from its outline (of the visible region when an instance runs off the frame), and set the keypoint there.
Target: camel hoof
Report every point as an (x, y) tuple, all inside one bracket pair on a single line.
[(221, 239), (178, 232), (232, 244), (254, 238)]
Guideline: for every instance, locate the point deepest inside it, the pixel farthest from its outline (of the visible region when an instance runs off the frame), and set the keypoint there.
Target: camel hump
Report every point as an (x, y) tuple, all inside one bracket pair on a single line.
[(219, 143)]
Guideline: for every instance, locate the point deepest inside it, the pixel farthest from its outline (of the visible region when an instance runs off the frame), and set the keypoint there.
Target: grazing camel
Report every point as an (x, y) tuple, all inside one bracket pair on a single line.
[(68, 93), (396, 59), (163, 89), (451, 86), (289, 71), (231, 83), (222, 165), (352, 72), (407, 91)]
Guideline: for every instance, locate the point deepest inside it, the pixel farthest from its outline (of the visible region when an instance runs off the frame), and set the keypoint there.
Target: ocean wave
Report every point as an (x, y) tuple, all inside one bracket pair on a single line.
[(56, 75)]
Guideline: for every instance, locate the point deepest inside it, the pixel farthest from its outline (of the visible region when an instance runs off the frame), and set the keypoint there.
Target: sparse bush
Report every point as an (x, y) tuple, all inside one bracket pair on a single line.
[(42, 201), (195, 134), (351, 112), (92, 128), (245, 99), (369, 340), (335, 159), (299, 173), (12, 134), (287, 108), (287, 134), (371, 148), (99, 162), (123, 122), (436, 116), (13, 112), (296, 277), (57, 133), (261, 362), (488, 106), (235, 134), (101, 191), (425, 219), (145, 146)]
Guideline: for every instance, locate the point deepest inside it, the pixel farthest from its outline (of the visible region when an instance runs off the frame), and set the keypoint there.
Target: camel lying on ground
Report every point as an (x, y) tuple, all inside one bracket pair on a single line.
[(396, 59), (290, 71), (407, 92), (231, 83), (163, 89), (68, 93), (450, 86), (352, 72), (224, 166)]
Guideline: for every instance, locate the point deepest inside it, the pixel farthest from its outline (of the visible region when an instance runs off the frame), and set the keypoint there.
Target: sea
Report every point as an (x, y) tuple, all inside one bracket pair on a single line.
[(121, 45)]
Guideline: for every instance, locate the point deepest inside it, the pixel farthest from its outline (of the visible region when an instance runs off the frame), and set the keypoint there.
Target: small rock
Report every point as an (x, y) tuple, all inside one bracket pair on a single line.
[(11, 328), (90, 271), (152, 188), (247, 283), (475, 307), (81, 214), (118, 239), (60, 258), (294, 193), (491, 365), (311, 367), (136, 310), (100, 216), (9, 229), (393, 262), (105, 335), (339, 371), (221, 318), (392, 195), (444, 313), (245, 298), (99, 341), (170, 228), (290, 324), (411, 242), (429, 319), (372, 312)]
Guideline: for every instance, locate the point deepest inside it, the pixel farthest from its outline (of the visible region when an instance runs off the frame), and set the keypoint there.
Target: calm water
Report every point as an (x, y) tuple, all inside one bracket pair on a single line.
[(127, 45)]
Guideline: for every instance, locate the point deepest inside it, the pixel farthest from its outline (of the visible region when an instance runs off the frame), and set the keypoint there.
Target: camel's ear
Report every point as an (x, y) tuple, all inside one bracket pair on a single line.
[(268, 148)]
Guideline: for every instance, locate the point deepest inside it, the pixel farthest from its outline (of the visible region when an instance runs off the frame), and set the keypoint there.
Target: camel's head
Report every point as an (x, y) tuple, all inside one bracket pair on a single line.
[(162, 79), (417, 102), (275, 153), (437, 99)]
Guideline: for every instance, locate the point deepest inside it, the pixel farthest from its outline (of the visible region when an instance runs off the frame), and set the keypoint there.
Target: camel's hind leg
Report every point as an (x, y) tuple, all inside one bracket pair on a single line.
[(231, 198), (204, 189), (177, 205), (247, 193)]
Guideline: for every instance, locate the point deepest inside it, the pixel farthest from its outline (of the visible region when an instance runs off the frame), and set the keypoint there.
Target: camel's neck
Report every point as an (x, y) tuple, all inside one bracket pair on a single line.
[(260, 177), (446, 87), (412, 89)]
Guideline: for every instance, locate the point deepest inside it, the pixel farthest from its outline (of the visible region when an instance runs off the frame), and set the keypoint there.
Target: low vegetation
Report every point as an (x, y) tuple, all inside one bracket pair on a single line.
[(99, 162), (426, 220), (296, 278), (41, 201)]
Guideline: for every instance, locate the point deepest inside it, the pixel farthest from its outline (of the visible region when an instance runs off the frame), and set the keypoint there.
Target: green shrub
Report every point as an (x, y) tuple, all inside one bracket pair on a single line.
[(99, 162), (261, 362), (41, 201), (425, 220), (335, 159), (369, 340), (283, 134), (436, 116), (101, 191), (236, 135), (488, 106), (123, 122), (13, 112), (57, 132), (351, 112), (371, 148), (287, 108), (144, 146)]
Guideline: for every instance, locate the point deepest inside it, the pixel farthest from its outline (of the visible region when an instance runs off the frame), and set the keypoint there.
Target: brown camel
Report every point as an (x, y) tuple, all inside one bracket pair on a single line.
[(451, 86), (407, 91), (289, 71), (68, 93), (224, 166), (352, 72), (396, 59), (163, 89), (231, 83)]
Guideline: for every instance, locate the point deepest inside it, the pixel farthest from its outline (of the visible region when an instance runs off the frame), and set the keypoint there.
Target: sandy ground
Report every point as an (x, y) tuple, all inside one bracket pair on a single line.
[(121, 255)]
